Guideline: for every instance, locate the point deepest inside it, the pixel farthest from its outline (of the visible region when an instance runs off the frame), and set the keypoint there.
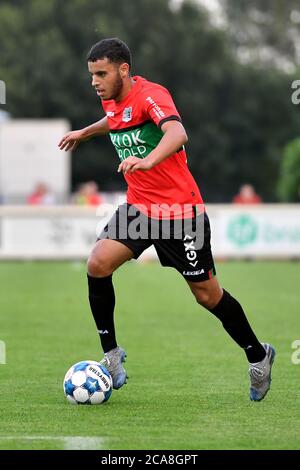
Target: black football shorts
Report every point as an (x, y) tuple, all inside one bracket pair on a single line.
[(183, 244)]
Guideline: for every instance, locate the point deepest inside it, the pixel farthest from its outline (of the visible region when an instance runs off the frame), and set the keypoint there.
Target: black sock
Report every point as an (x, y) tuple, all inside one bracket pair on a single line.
[(102, 302), (234, 320)]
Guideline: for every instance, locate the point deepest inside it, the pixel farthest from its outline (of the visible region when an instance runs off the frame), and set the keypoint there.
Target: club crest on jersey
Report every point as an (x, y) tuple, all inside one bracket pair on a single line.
[(127, 114)]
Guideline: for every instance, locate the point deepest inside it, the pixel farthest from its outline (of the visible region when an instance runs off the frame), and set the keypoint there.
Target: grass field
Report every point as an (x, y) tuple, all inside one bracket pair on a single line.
[(188, 386)]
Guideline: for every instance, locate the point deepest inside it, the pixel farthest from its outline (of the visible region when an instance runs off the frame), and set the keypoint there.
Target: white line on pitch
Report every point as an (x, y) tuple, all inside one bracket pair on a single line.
[(68, 442)]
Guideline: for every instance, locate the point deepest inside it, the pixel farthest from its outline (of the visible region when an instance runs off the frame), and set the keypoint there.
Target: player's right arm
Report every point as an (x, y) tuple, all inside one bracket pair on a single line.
[(72, 139)]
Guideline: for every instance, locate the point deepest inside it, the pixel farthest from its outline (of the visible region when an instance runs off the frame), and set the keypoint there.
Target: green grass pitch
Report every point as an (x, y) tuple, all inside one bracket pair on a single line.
[(188, 386)]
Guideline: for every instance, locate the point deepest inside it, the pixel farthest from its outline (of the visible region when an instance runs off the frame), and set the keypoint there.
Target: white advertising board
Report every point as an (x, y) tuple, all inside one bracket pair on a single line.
[(69, 232), (29, 155)]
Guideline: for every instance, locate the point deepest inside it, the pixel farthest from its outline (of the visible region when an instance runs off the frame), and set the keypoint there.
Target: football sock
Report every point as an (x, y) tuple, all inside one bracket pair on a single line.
[(234, 321), (102, 302)]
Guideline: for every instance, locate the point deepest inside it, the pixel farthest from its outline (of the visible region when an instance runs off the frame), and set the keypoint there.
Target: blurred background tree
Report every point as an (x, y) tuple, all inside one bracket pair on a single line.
[(238, 114), (265, 31), (289, 182)]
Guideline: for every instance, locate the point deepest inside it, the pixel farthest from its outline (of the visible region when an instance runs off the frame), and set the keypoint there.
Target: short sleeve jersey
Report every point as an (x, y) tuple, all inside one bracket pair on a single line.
[(135, 130)]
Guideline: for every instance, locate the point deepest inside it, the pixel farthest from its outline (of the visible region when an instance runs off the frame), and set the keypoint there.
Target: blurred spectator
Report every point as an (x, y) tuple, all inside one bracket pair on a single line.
[(247, 195), (41, 195), (88, 194)]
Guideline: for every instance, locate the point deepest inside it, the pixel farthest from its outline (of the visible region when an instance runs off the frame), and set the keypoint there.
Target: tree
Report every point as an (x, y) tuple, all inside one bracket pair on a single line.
[(289, 182), (266, 32)]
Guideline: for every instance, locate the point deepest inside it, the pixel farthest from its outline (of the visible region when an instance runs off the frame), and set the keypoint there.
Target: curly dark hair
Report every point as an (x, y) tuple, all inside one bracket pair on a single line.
[(113, 49)]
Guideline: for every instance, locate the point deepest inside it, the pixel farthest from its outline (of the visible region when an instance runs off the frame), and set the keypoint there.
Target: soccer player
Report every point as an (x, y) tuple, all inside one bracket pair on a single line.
[(147, 132)]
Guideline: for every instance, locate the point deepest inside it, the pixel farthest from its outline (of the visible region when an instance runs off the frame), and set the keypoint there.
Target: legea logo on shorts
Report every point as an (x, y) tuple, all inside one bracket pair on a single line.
[(242, 230)]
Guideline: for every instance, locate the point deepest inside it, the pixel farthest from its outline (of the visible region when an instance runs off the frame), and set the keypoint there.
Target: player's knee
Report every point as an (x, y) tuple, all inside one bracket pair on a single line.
[(99, 267), (204, 298)]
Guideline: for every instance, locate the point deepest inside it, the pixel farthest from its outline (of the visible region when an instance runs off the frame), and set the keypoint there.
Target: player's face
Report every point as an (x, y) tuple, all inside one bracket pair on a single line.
[(107, 78)]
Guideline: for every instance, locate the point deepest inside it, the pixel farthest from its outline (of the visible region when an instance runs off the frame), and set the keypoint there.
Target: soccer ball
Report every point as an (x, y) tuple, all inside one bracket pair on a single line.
[(87, 383)]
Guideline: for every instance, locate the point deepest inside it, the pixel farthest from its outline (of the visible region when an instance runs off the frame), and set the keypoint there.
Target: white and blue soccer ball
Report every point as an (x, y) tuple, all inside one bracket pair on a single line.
[(87, 383)]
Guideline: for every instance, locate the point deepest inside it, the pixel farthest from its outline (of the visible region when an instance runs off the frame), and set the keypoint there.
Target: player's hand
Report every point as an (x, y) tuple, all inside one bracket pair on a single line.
[(131, 164), (71, 140)]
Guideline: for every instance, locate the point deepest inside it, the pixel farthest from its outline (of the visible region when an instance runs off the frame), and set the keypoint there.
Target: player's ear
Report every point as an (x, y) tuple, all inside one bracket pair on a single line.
[(124, 70)]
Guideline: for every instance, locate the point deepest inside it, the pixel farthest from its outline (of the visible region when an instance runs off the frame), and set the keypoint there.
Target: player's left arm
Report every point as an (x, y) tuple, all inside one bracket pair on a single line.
[(173, 139)]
